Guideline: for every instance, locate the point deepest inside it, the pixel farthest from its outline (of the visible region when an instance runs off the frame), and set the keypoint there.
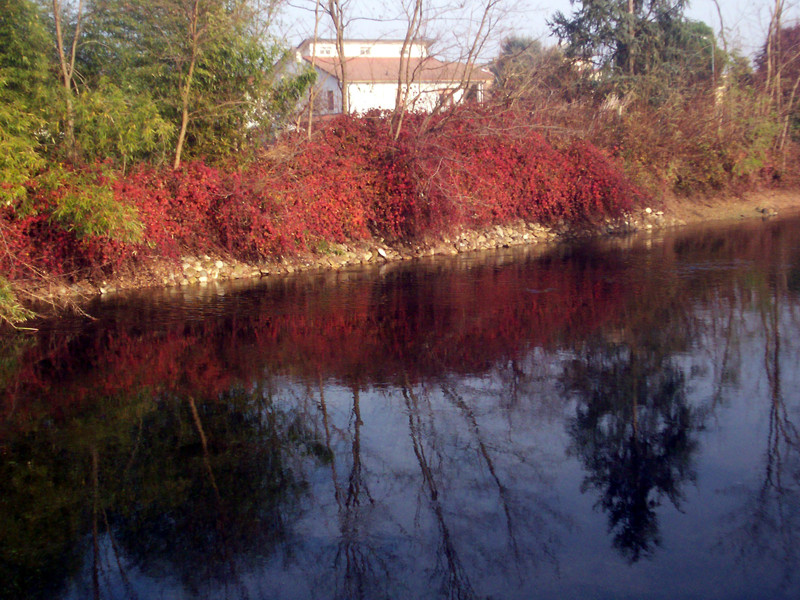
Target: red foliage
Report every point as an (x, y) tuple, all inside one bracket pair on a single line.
[(474, 167), (487, 318), (35, 241)]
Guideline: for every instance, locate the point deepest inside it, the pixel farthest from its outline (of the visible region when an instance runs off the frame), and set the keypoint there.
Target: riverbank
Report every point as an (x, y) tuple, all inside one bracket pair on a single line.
[(209, 268), (752, 205), (349, 195)]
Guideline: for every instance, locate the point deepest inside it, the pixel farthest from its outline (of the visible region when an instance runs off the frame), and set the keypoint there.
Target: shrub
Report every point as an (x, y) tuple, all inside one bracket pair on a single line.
[(11, 311), (471, 166)]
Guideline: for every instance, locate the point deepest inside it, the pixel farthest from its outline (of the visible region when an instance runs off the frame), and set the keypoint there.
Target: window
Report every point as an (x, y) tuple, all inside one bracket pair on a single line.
[(329, 100), (324, 51), (365, 50)]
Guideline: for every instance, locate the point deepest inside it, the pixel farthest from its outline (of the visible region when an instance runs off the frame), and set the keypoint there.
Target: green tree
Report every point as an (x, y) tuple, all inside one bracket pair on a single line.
[(622, 37), (24, 95), (121, 123), (24, 100), (690, 65), (209, 65)]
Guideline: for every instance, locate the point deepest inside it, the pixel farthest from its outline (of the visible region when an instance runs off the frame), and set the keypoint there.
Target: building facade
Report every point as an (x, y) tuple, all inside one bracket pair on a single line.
[(374, 68)]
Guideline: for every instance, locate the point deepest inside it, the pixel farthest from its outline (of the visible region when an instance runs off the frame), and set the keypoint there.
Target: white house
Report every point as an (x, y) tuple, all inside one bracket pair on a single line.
[(372, 69)]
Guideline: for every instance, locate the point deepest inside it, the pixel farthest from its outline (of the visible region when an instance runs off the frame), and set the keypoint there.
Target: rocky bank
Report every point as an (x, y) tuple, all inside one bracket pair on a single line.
[(206, 269)]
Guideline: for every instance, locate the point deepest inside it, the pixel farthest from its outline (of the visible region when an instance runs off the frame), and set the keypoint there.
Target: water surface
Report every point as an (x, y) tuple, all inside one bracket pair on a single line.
[(614, 419)]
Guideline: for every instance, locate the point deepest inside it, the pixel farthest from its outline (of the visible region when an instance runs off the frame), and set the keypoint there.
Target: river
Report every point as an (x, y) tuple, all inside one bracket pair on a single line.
[(609, 419)]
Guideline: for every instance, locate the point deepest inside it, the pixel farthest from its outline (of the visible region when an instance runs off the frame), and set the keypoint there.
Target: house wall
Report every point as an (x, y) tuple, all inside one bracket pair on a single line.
[(422, 96), (366, 96), (327, 94)]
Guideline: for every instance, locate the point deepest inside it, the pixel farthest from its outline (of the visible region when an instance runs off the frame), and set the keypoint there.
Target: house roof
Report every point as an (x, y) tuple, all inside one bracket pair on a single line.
[(366, 69), (308, 41)]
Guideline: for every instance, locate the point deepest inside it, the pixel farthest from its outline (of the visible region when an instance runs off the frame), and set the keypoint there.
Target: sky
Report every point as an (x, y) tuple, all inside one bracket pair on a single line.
[(745, 21)]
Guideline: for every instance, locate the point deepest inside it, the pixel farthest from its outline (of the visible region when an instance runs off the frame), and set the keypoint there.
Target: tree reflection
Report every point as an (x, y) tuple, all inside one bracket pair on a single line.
[(768, 524), (364, 572), (633, 433), (213, 489), (456, 584), (189, 489), (42, 517)]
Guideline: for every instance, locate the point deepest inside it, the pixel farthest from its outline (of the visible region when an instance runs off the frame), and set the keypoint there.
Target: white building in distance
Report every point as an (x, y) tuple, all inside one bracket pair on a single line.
[(372, 68)]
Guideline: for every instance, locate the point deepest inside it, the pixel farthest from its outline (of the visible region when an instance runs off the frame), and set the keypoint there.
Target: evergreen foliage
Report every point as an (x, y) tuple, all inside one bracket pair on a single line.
[(647, 46)]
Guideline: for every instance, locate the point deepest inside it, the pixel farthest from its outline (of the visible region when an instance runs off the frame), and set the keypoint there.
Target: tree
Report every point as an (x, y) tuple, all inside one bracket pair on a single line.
[(208, 65), (622, 37), (337, 11), (189, 29), (691, 54), (24, 95), (67, 51), (527, 70), (778, 69), (413, 10)]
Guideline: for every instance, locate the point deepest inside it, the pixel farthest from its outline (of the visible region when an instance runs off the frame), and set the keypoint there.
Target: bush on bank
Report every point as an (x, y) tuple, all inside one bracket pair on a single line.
[(350, 180)]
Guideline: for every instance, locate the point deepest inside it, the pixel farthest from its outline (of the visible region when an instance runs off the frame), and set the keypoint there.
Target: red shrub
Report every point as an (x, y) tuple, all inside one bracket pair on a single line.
[(472, 166)]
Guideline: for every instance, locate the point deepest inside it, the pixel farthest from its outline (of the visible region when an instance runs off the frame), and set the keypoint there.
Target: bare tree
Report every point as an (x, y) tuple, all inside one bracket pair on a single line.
[(722, 34), (339, 17), (779, 62), (484, 21), (312, 90), (473, 20), (67, 70), (772, 51), (414, 13), (336, 10)]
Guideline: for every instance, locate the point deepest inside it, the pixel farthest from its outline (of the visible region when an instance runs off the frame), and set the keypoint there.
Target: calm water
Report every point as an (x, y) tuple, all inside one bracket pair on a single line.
[(612, 420)]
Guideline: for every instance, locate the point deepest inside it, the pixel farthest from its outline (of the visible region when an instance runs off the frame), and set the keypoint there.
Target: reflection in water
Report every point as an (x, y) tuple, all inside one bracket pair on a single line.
[(180, 489), (634, 433), (455, 580), (435, 430), (361, 566), (767, 524), (212, 490)]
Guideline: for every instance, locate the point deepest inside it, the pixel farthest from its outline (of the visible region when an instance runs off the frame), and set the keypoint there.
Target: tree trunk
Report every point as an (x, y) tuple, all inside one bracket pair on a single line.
[(631, 13), (403, 72), (312, 94), (67, 68), (185, 93), (337, 16), (194, 36)]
